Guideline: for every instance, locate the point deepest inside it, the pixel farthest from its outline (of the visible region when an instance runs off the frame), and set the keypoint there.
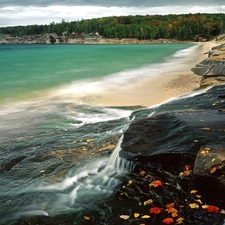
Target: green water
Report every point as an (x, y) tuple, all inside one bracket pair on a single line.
[(29, 68)]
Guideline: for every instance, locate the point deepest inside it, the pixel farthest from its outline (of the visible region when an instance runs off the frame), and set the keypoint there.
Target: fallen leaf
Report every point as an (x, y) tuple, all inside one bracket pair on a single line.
[(129, 182), (222, 211), (170, 205), (203, 152), (155, 210), (194, 206), (213, 170), (136, 215), (156, 183), (142, 172), (124, 217), (173, 212), (213, 159), (89, 140), (212, 208), (168, 220), (87, 218), (193, 191), (149, 201), (199, 201), (187, 167), (205, 128), (145, 217), (180, 220), (205, 206)]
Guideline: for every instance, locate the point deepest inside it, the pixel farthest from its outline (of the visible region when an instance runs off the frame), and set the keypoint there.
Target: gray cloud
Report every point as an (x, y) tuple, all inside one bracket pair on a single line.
[(108, 3)]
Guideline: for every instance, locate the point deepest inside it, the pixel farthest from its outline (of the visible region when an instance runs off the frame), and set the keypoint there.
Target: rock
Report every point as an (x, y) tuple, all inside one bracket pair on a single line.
[(212, 69), (210, 164)]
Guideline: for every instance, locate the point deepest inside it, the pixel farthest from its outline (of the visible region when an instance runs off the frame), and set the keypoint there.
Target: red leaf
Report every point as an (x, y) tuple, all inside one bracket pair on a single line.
[(168, 220), (155, 210), (187, 167), (212, 208)]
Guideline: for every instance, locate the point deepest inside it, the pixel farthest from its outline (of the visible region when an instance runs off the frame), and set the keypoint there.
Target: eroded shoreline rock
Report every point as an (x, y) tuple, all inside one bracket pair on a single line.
[(212, 69)]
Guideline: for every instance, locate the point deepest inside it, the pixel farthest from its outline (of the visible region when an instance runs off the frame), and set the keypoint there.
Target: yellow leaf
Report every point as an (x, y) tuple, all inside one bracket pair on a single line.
[(87, 218), (193, 191), (89, 140), (145, 217), (199, 201), (207, 148), (213, 159), (136, 215), (193, 206), (180, 220), (198, 196), (205, 128), (205, 206), (203, 152), (149, 201), (129, 182), (213, 170), (124, 217)]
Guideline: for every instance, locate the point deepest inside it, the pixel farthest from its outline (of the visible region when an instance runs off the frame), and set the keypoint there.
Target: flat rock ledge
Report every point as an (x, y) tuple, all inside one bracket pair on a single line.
[(212, 69)]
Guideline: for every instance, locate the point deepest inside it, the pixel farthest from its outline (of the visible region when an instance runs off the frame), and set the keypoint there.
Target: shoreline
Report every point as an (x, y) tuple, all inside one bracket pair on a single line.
[(158, 89)]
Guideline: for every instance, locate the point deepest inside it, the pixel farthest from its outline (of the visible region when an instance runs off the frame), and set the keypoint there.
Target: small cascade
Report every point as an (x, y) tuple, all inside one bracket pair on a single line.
[(87, 187)]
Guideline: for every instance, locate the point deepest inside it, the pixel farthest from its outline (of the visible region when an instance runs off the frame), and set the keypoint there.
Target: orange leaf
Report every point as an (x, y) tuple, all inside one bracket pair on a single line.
[(156, 183), (142, 172), (212, 208), (170, 205), (173, 211), (87, 218), (155, 210), (213, 170), (168, 220)]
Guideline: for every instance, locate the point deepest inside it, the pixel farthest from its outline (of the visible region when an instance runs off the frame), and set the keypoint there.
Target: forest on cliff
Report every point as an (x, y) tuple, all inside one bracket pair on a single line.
[(181, 27)]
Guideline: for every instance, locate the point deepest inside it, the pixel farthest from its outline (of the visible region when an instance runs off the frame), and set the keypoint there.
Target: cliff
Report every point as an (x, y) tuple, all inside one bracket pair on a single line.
[(93, 38)]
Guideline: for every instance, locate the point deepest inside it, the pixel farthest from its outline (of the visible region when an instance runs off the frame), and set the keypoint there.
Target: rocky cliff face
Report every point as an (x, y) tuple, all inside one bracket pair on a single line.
[(94, 38), (212, 69)]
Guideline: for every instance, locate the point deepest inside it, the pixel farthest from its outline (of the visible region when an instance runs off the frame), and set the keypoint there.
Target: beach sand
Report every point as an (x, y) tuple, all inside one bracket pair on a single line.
[(159, 89)]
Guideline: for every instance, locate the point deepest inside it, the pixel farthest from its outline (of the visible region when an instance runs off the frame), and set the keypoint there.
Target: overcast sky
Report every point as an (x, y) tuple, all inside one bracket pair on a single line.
[(25, 12)]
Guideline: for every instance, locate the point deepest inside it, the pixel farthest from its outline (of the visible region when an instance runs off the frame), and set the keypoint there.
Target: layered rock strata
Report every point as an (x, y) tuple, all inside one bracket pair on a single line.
[(212, 69)]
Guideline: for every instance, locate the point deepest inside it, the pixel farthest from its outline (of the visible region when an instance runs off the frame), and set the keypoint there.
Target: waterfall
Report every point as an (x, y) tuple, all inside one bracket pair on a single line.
[(86, 187)]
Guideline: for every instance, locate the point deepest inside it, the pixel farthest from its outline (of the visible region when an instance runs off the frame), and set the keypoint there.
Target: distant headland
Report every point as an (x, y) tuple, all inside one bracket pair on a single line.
[(120, 30)]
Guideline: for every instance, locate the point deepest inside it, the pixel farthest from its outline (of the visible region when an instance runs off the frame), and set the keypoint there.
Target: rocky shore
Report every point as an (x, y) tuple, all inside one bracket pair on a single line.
[(93, 38), (212, 69)]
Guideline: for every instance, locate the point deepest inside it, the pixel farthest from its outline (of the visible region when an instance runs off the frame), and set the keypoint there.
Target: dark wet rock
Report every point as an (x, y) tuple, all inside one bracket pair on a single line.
[(168, 142)]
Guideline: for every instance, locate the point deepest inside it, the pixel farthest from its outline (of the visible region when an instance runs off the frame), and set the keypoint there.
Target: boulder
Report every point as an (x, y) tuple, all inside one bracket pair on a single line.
[(210, 164)]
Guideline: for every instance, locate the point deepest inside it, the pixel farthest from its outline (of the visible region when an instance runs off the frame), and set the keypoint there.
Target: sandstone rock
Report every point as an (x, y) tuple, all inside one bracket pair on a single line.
[(210, 164), (212, 69)]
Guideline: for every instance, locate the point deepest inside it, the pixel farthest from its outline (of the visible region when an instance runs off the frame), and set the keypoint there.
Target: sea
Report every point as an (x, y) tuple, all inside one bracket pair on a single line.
[(58, 149)]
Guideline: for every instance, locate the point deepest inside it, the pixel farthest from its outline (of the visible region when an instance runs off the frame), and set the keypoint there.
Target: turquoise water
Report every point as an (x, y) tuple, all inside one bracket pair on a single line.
[(26, 69)]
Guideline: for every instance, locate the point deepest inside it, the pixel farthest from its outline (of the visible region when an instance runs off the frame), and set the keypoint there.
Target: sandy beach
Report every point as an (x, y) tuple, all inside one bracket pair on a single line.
[(159, 89)]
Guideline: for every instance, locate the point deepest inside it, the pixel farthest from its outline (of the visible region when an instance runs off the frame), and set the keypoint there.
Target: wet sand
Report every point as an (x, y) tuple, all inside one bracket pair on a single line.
[(159, 89)]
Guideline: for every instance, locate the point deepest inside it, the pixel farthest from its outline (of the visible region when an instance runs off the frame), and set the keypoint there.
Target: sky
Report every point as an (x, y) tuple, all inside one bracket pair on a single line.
[(29, 12)]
